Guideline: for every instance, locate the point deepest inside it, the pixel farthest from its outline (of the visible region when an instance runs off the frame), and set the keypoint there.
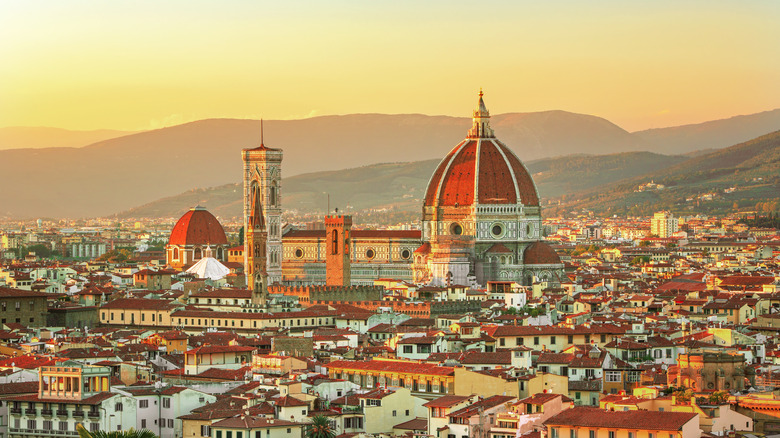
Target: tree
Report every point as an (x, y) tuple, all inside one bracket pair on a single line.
[(39, 249), (719, 397), (241, 237), (319, 428), (132, 433)]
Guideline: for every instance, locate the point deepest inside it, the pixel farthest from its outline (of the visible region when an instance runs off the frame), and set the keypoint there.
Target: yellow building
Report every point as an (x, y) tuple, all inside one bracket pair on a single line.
[(423, 379)]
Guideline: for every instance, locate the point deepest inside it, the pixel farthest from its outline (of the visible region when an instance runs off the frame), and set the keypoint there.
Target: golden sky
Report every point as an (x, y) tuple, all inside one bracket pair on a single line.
[(146, 64)]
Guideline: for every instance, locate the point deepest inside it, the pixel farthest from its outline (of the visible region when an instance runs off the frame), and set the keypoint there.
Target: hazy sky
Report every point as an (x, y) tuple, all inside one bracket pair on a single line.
[(146, 64)]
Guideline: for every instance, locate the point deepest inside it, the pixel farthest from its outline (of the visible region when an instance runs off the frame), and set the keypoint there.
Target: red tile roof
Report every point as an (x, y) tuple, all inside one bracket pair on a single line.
[(198, 227), (636, 420), (393, 367), (540, 253)]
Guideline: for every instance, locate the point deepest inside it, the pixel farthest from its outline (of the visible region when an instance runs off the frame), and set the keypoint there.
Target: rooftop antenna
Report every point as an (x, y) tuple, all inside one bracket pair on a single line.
[(261, 132)]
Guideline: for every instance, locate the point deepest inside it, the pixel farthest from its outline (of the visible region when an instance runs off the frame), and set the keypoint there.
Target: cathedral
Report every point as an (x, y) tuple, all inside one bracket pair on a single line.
[(481, 222)]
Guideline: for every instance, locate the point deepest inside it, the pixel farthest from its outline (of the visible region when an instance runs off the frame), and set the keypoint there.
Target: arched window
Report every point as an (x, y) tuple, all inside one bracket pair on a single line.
[(335, 242), (198, 254), (272, 194), (176, 253)]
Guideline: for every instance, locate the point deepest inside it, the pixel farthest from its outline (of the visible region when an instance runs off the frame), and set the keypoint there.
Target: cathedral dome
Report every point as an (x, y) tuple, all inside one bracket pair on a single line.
[(481, 170), (198, 227), (540, 253)]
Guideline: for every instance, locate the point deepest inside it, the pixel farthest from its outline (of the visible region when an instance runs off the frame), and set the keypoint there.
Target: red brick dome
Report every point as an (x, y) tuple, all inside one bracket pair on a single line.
[(481, 170), (540, 253), (198, 227)]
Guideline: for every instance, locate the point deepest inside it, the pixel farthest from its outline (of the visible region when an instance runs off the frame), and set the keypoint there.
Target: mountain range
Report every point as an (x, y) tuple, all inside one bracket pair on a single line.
[(116, 174), (606, 184)]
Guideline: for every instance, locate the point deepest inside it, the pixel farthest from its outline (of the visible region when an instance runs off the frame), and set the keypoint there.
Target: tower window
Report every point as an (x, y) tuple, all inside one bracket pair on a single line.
[(299, 253), (405, 254), (370, 253), (335, 242)]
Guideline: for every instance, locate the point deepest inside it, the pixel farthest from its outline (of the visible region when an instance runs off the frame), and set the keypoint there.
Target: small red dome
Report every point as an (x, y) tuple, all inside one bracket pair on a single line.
[(540, 253), (198, 227), (481, 170)]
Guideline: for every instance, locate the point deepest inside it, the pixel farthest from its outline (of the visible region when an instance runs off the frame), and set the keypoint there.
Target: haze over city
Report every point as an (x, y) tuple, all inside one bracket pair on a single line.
[(141, 65)]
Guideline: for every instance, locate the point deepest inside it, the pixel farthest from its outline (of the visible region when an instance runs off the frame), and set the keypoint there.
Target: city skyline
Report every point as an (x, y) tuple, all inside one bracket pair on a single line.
[(147, 65)]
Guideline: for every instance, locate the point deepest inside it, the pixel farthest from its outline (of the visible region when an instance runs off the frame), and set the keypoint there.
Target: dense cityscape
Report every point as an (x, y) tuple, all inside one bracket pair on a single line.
[(481, 318)]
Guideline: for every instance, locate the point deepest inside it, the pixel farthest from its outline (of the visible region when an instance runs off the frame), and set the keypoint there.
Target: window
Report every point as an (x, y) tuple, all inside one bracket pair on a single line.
[(32, 424), (612, 376), (32, 305), (94, 427), (611, 434), (570, 339), (554, 433), (166, 402), (118, 407), (170, 423), (552, 340), (18, 305), (205, 431), (63, 425), (143, 424), (591, 434), (48, 425), (519, 340), (407, 412), (408, 348), (536, 340), (650, 435), (630, 434), (143, 404), (394, 413), (573, 433), (501, 342)]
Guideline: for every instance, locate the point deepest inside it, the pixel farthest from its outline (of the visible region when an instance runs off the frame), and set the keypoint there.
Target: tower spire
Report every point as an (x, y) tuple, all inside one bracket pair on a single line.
[(261, 129), (480, 127)]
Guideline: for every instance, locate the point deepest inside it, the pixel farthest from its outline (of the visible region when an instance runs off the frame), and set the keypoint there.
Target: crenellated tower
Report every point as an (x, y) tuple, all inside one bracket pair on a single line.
[(262, 208)]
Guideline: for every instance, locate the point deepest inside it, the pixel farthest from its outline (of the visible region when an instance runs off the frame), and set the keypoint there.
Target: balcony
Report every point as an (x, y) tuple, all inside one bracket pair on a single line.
[(78, 414), (62, 413), (46, 412), (17, 411), (95, 414)]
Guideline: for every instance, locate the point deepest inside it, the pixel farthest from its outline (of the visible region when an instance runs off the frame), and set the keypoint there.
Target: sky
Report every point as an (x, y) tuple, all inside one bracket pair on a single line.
[(135, 65)]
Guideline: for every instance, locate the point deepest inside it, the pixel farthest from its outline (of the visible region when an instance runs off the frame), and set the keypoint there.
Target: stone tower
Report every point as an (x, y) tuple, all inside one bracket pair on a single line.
[(255, 249), (338, 269), (263, 172)]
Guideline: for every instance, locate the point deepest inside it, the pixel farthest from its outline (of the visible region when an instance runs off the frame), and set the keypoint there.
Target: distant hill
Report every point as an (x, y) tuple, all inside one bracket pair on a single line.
[(117, 174), (715, 134), (402, 185), (18, 137), (740, 176), (120, 173)]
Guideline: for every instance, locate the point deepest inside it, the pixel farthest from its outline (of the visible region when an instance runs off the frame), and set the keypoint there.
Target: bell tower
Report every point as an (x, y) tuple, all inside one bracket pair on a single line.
[(255, 248), (338, 268), (262, 206)]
